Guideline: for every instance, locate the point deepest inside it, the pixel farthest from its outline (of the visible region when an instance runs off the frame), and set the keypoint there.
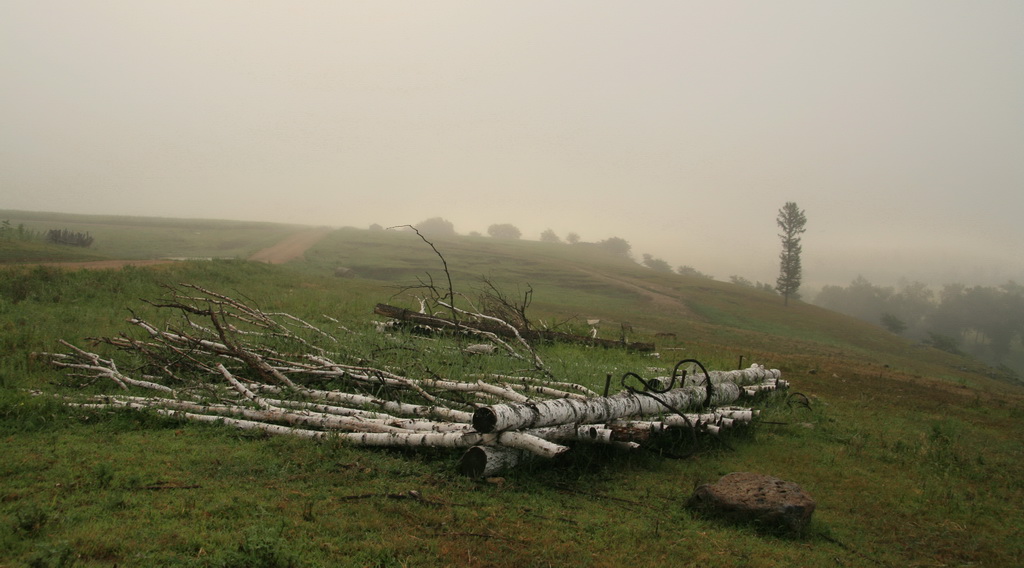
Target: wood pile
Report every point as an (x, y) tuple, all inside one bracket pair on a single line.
[(227, 362)]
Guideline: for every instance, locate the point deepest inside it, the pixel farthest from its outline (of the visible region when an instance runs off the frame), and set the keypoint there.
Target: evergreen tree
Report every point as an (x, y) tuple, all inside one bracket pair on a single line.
[(791, 220)]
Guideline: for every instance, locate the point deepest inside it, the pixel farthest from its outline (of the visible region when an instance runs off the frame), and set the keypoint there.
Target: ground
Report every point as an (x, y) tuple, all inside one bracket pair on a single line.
[(291, 248)]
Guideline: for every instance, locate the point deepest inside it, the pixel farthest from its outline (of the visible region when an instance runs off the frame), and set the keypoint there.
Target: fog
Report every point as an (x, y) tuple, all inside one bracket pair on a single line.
[(679, 126)]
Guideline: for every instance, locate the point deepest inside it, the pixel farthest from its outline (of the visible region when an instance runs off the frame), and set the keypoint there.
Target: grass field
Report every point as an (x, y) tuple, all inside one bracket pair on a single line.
[(150, 238), (915, 456)]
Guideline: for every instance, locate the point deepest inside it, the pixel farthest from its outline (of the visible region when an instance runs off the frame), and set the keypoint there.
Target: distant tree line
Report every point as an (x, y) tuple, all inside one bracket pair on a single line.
[(691, 271), (71, 238), (984, 321), (763, 286), (439, 227), (10, 233), (662, 266)]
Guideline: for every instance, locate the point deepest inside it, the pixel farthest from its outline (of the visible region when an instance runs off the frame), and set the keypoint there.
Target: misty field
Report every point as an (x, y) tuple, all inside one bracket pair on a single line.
[(915, 456)]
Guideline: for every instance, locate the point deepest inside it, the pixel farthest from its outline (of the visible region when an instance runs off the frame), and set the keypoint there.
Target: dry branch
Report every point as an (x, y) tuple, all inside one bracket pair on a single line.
[(503, 330)]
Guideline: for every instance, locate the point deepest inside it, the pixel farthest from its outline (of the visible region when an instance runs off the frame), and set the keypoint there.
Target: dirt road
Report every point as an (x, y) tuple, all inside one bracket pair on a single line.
[(291, 248)]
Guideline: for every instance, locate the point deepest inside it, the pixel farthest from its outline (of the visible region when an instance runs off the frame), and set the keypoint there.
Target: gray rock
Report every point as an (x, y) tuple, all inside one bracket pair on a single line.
[(755, 498)]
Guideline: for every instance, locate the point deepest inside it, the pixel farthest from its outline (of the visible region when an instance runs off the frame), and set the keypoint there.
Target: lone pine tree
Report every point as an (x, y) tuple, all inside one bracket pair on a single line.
[(791, 220)]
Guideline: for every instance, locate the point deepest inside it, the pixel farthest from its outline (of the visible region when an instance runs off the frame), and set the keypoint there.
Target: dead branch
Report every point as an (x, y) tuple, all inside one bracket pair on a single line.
[(403, 314)]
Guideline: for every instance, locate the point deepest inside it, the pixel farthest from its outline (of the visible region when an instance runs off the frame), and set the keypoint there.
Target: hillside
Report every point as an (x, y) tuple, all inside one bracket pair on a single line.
[(914, 455), (134, 238)]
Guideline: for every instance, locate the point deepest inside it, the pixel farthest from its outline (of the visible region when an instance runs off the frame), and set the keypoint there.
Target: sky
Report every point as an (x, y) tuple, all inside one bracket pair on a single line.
[(680, 126)]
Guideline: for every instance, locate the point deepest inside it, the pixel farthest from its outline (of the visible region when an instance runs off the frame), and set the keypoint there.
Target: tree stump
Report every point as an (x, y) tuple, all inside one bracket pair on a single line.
[(755, 498)]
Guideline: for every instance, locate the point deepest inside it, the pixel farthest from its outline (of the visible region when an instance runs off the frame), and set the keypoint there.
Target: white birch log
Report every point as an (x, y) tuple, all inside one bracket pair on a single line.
[(572, 432), (366, 434), (558, 387), (755, 374), (502, 417), (268, 415), (329, 409), (737, 413), (246, 424), (415, 424), (497, 391), (487, 461), (377, 439), (528, 442), (496, 418), (440, 412)]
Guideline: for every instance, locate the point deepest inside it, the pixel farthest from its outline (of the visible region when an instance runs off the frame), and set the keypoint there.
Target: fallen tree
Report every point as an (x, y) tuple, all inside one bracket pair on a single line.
[(505, 329), (224, 361)]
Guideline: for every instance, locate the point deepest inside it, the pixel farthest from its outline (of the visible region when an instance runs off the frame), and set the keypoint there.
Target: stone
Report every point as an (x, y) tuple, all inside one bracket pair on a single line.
[(769, 502)]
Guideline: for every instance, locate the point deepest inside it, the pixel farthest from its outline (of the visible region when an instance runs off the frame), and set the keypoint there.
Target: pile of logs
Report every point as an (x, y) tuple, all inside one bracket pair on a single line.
[(230, 363)]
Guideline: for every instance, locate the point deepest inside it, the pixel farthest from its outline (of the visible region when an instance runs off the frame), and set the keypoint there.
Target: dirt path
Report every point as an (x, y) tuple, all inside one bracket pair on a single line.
[(664, 299), (294, 246)]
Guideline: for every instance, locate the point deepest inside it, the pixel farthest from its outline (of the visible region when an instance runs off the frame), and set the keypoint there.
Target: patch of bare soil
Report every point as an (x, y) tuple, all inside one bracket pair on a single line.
[(294, 246)]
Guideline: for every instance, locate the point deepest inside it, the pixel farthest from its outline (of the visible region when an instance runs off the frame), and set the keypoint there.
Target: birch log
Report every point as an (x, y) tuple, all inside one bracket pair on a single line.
[(503, 417), (525, 416), (485, 461), (376, 439)]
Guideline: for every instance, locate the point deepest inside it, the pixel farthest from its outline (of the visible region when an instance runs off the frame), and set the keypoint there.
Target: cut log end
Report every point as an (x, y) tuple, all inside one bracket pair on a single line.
[(473, 462), (486, 461), (484, 420)]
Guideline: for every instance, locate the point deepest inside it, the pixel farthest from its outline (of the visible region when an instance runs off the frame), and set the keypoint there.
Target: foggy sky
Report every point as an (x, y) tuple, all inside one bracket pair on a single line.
[(683, 127)]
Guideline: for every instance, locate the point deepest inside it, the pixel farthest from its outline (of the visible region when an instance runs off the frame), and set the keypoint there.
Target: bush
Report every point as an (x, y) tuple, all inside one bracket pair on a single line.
[(436, 227), (943, 343), (616, 245), (504, 231), (549, 236)]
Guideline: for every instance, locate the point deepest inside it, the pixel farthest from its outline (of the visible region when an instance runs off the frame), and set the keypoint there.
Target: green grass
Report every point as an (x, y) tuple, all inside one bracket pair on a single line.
[(20, 251), (915, 456), (151, 237)]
